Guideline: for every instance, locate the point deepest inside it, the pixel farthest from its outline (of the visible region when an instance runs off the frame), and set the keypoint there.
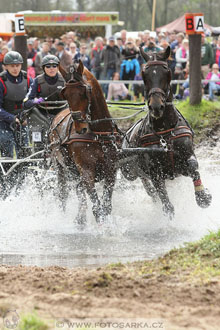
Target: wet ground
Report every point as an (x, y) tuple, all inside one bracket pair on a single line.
[(35, 231)]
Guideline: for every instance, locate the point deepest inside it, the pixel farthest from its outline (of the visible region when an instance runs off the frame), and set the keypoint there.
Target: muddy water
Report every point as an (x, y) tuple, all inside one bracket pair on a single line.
[(34, 231)]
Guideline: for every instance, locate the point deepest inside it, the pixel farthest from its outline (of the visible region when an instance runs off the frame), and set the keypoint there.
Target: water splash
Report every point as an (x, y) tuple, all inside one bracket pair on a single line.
[(35, 231)]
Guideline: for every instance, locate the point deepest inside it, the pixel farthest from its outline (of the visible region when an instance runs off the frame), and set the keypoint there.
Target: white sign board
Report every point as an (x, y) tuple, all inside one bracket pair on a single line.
[(19, 24), (199, 23)]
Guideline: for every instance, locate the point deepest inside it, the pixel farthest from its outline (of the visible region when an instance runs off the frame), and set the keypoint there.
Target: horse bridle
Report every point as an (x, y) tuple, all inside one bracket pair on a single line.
[(78, 115), (157, 90)]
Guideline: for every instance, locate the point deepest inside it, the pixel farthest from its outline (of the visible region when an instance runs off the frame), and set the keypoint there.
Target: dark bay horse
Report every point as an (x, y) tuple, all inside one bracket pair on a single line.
[(83, 141), (167, 133)]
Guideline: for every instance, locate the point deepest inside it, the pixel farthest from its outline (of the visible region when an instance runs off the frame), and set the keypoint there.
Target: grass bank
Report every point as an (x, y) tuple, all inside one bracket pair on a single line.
[(199, 260), (204, 118)]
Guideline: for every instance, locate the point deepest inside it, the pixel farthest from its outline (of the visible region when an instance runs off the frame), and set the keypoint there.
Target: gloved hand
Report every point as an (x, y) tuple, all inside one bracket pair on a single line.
[(38, 101)]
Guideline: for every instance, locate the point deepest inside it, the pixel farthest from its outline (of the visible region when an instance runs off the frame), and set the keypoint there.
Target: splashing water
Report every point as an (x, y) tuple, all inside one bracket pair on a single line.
[(35, 231)]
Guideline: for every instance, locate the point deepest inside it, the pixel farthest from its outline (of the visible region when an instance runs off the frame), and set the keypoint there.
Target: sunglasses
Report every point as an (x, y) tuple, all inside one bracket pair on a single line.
[(51, 66)]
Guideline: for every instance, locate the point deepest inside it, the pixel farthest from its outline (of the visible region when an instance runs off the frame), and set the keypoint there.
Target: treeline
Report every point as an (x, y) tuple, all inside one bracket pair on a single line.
[(136, 14)]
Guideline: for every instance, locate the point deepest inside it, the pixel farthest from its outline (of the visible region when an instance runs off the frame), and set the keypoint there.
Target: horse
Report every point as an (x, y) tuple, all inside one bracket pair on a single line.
[(83, 140), (166, 136)]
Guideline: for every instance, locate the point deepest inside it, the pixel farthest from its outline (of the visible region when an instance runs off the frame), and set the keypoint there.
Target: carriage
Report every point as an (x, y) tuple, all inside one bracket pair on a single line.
[(83, 139), (31, 143)]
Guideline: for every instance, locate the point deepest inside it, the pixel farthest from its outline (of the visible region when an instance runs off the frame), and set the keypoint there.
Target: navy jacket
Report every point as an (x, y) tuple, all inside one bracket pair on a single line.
[(4, 115)]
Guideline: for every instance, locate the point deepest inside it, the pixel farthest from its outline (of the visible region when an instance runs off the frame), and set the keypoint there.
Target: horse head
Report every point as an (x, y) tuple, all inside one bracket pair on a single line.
[(157, 77), (78, 94)]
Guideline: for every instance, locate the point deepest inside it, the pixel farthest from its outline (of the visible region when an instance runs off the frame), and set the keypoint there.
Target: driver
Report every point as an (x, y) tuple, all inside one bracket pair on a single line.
[(46, 84), (14, 85)]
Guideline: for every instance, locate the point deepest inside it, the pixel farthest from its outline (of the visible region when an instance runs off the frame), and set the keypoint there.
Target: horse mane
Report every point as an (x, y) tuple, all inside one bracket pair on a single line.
[(98, 99)]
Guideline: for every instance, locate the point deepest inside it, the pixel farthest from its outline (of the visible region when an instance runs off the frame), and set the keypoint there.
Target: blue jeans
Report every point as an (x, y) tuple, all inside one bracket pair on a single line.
[(213, 87), (6, 142), (109, 75)]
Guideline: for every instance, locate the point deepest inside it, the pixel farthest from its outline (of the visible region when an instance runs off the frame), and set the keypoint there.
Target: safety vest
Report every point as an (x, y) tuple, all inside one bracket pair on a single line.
[(14, 93), (45, 89)]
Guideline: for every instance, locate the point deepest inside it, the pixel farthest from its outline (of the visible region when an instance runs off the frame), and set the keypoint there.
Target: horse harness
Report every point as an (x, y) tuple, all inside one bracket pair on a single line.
[(77, 117), (165, 138)]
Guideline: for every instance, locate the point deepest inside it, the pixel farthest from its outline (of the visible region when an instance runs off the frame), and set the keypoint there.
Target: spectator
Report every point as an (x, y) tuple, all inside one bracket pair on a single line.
[(96, 58), (71, 37), (182, 53), (52, 49), (119, 43), (31, 52), (73, 50), (130, 65), (171, 38), (10, 43), (146, 37), (117, 91), (4, 50), (185, 85), (166, 34), (141, 36), (139, 88), (123, 36), (217, 52), (211, 76), (30, 69), (207, 56), (177, 89), (64, 56), (161, 36), (151, 47), (82, 55), (40, 55), (36, 44), (111, 58), (177, 42)]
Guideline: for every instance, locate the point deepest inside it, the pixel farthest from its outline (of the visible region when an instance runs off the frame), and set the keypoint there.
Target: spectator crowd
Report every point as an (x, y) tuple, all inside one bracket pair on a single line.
[(120, 54)]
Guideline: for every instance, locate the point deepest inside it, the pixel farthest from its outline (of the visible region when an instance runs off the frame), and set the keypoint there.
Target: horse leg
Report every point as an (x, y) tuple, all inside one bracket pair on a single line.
[(81, 194), (150, 189), (107, 191), (202, 195), (62, 186), (88, 177), (159, 184)]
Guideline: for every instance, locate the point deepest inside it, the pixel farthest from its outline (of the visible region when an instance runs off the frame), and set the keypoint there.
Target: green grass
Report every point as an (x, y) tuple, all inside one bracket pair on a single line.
[(32, 322), (200, 259), (202, 116)]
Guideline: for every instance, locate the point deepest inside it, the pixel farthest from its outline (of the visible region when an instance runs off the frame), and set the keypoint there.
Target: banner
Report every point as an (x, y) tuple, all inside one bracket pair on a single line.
[(74, 18)]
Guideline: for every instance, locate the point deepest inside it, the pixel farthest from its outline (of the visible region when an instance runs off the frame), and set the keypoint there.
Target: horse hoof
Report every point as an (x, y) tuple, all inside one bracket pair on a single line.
[(203, 198)]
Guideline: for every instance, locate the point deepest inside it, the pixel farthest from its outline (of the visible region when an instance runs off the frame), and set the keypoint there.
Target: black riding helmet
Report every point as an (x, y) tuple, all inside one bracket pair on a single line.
[(50, 59), (13, 57)]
